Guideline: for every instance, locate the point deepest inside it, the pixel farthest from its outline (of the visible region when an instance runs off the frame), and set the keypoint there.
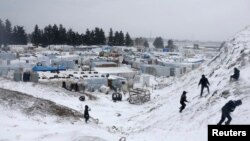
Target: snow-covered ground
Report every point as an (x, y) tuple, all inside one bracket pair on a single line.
[(158, 119)]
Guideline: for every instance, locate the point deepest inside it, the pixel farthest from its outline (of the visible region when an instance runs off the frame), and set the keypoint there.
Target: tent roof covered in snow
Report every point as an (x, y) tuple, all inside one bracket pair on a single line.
[(114, 70)]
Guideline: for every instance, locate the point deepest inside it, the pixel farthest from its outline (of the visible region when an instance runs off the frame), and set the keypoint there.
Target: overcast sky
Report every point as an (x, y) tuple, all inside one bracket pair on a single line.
[(177, 19)]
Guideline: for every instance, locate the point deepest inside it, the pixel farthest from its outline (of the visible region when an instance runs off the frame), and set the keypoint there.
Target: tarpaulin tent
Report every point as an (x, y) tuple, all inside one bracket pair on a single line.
[(48, 68)]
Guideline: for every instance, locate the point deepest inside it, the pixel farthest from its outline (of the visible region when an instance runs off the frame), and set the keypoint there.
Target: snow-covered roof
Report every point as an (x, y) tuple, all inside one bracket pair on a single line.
[(113, 70), (115, 77), (68, 56), (194, 60), (103, 63)]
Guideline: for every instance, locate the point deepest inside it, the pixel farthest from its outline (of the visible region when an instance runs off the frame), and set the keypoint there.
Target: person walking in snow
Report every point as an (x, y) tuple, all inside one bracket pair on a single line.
[(204, 84), (227, 109), (86, 113), (183, 100), (236, 74)]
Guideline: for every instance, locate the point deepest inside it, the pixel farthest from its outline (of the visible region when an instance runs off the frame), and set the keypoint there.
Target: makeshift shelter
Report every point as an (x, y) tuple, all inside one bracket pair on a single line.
[(155, 70), (7, 56), (68, 64), (116, 82), (48, 68), (103, 64), (118, 71), (95, 83)]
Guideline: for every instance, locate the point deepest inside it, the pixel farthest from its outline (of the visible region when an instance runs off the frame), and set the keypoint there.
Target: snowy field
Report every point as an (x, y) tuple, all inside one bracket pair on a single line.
[(158, 119)]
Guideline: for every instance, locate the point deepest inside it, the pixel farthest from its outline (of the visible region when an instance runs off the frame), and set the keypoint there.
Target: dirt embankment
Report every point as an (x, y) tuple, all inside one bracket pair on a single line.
[(31, 105)]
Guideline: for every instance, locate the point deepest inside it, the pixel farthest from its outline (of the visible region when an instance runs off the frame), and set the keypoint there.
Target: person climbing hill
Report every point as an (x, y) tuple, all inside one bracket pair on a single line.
[(86, 113), (183, 100), (236, 74), (204, 84), (227, 109)]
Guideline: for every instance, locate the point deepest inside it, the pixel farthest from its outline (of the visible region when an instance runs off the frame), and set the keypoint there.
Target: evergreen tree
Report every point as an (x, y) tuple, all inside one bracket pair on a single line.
[(96, 38), (92, 38), (121, 39), (111, 38), (87, 38), (62, 35), (36, 36), (48, 36), (7, 32), (78, 39), (116, 39), (1, 33), (55, 33), (128, 40), (19, 36), (71, 37), (145, 44), (43, 40), (14, 35), (102, 37), (59, 35), (171, 46), (158, 42), (23, 36), (99, 38), (170, 42)]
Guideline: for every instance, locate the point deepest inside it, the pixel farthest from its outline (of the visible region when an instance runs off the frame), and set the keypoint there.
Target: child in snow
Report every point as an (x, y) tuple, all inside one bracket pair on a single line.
[(86, 113), (183, 100)]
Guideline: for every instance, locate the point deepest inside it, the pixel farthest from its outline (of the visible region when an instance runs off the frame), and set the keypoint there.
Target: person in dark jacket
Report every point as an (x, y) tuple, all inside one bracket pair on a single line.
[(236, 74), (183, 100), (227, 109), (204, 84), (86, 113)]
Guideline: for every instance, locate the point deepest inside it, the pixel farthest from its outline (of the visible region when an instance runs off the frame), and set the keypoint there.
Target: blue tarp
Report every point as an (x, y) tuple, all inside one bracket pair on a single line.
[(146, 56), (106, 48), (48, 68), (165, 50)]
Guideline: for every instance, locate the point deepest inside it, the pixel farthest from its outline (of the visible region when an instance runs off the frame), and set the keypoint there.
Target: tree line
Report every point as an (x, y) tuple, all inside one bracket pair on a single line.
[(59, 35), (12, 35), (52, 35)]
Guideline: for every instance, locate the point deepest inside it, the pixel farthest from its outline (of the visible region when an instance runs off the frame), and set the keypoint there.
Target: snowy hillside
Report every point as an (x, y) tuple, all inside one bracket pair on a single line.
[(158, 119), (167, 123)]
